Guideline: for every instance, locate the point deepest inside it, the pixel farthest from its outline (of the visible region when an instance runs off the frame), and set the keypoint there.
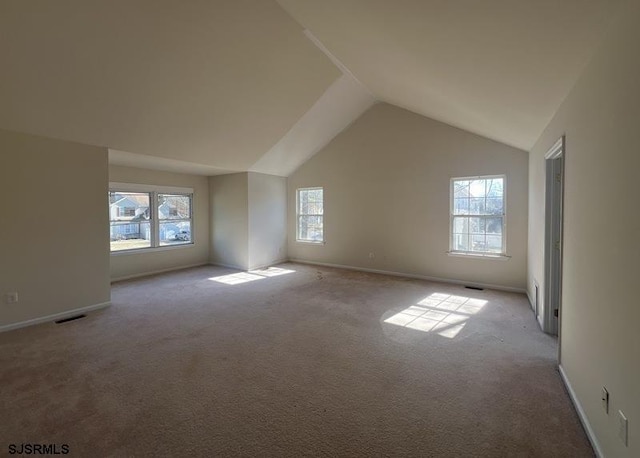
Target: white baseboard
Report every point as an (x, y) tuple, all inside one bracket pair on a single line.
[(228, 266), (272, 263), (156, 272), (533, 309), (54, 317), (259, 266), (583, 417), (419, 277)]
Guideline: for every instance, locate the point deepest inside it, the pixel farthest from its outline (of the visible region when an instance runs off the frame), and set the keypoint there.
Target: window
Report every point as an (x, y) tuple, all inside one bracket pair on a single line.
[(136, 224), (174, 212), (478, 215), (128, 231), (127, 211), (310, 210)]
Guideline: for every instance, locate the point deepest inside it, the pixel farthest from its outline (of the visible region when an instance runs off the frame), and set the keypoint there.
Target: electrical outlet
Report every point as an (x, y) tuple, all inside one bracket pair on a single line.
[(623, 428), (605, 400), (11, 298), (372, 255)]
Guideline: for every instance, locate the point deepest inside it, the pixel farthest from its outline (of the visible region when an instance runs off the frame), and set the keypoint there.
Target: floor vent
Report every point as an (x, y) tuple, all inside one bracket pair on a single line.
[(71, 318), (477, 288)]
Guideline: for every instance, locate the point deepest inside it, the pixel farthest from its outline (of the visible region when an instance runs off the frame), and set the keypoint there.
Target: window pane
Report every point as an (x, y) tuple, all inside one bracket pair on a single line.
[(175, 232), (310, 228), (315, 195), (310, 201), (494, 243), (303, 203), (174, 206), (460, 242), (130, 235), (128, 206), (129, 214), (478, 243), (461, 207), (494, 225), (477, 225), (495, 206), (477, 188), (460, 225), (461, 188), (476, 206), (495, 187), (314, 208)]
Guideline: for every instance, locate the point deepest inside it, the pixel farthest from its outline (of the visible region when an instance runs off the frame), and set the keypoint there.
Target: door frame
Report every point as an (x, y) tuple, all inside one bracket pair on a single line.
[(554, 216)]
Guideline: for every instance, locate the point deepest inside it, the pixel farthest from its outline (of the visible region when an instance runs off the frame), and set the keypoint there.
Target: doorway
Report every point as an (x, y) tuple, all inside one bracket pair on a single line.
[(554, 169)]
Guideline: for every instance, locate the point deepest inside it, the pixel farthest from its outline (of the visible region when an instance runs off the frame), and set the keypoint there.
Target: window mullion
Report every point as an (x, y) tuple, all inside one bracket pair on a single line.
[(155, 219)]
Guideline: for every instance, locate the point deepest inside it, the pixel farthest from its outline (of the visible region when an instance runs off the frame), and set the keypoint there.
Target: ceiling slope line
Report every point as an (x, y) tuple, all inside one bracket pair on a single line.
[(337, 62), (339, 107)]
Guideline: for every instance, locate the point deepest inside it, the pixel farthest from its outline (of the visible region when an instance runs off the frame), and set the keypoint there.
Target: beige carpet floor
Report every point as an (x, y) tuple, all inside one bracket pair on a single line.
[(295, 361)]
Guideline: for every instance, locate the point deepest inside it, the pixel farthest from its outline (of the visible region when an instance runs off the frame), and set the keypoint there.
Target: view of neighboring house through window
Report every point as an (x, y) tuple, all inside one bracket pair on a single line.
[(130, 220), (174, 212), (310, 215), (136, 224), (478, 215)]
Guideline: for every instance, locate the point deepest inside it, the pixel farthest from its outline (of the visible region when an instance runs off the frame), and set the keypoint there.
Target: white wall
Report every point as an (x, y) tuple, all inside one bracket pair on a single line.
[(600, 341), (125, 265), (386, 187), (229, 198), (248, 220), (54, 235), (267, 219)]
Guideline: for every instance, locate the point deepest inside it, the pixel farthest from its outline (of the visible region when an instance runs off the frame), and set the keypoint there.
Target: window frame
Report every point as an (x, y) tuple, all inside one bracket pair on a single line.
[(479, 254), (298, 215), (154, 221)]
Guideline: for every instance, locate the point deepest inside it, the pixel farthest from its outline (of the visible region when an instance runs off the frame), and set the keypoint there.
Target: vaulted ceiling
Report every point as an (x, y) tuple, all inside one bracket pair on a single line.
[(212, 86), (499, 68), (216, 83)]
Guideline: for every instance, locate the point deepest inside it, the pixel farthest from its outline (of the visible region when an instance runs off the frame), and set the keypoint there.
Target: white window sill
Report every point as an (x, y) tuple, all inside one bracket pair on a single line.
[(488, 256), (310, 242), (152, 250)]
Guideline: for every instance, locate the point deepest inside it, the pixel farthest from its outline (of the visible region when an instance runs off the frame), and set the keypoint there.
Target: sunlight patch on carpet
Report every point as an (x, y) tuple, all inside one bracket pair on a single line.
[(443, 314), (272, 272), (253, 275)]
